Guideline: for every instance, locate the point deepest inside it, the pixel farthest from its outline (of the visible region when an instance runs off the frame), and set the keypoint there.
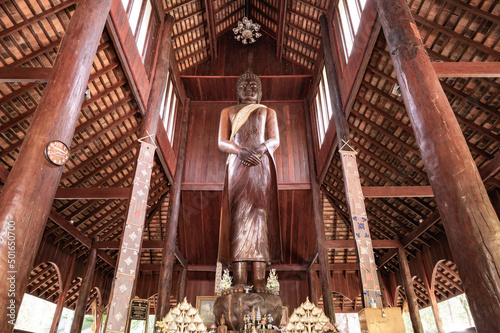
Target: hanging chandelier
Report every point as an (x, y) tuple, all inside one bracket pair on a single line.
[(247, 31)]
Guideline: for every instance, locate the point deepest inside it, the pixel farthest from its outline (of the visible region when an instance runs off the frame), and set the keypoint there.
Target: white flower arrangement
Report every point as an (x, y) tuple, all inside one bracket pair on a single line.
[(272, 282), (226, 281)]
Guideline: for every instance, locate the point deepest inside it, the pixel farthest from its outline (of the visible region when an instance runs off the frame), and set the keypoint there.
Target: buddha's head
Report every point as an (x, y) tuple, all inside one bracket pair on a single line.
[(249, 88)]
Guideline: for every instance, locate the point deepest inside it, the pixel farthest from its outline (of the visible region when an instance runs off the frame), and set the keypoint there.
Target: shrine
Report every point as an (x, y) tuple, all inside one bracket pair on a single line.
[(250, 166)]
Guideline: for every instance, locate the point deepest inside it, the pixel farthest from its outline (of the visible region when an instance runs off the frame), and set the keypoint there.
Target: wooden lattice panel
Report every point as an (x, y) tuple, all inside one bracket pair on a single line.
[(73, 292), (421, 292), (266, 12), (189, 35), (44, 282), (447, 281), (302, 36), (226, 14)]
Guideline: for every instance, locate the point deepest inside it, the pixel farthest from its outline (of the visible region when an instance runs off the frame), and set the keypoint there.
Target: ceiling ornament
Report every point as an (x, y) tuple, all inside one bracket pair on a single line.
[(247, 31)]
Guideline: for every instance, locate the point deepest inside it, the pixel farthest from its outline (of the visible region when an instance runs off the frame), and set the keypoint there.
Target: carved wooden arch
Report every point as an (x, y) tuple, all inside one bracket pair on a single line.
[(99, 297), (455, 284), (44, 266), (399, 291), (434, 273), (421, 293)]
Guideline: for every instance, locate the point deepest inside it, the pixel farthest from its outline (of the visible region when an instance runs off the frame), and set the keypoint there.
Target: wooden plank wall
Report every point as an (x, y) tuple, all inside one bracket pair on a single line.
[(198, 233), (201, 212)]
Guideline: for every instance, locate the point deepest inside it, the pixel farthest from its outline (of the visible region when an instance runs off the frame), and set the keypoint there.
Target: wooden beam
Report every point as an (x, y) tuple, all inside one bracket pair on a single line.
[(24, 74), (397, 191), (166, 276), (180, 258), (467, 69), (491, 168), (211, 28), (278, 267), (75, 232), (282, 186), (376, 243), (281, 29), (68, 193), (319, 225), (432, 219)]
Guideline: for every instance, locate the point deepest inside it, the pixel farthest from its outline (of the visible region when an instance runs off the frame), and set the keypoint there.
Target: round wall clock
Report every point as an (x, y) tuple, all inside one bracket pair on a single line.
[(57, 152)]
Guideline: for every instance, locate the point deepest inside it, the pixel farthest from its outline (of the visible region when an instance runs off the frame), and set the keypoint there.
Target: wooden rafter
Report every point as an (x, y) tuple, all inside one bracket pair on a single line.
[(467, 69), (212, 37)]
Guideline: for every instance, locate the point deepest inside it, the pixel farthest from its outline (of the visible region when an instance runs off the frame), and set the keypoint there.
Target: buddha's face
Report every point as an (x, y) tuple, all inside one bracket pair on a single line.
[(248, 91)]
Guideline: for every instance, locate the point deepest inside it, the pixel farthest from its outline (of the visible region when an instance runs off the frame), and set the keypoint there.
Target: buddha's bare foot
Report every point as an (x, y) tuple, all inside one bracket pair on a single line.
[(237, 289), (260, 287)]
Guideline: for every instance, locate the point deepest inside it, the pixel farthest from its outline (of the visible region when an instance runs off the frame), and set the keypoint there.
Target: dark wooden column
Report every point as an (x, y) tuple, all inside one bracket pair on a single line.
[(311, 282), (30, 188), (410, 291), (167, 265), (370, 286), (83, 295), (63, 293), (324, 265), (181, 292), (470, 222), (132, 234), (383, 291)]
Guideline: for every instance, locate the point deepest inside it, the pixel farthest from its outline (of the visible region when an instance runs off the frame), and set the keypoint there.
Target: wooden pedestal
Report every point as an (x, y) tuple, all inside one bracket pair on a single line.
[(372, 320)]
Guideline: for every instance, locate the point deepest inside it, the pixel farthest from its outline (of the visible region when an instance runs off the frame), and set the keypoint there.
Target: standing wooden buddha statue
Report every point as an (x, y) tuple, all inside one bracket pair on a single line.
[(250, 230)]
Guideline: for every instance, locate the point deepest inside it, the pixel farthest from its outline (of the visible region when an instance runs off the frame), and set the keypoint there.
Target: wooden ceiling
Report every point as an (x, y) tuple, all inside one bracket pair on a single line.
[(104, 147)]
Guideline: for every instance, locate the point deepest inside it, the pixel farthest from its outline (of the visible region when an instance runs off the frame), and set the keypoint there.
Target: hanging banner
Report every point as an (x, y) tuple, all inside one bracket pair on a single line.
[(359, 221), (131, 242)]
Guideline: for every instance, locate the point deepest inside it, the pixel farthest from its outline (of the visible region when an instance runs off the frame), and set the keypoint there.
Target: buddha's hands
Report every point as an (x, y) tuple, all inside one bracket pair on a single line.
[(249, 157)]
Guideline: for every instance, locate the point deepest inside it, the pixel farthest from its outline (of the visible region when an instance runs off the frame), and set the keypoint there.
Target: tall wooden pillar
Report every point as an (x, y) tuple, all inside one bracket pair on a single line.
[(311, 282), (167, 265), (62, 295), (30, 188), (131, 240), (181, 292), (470, 222), (324, 265), (411, 297), (83, 295), (383, 290), (354, 195)]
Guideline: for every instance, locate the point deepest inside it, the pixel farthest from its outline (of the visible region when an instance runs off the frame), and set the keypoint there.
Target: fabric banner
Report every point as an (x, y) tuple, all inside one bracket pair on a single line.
[(359, 221), (131, 242)]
